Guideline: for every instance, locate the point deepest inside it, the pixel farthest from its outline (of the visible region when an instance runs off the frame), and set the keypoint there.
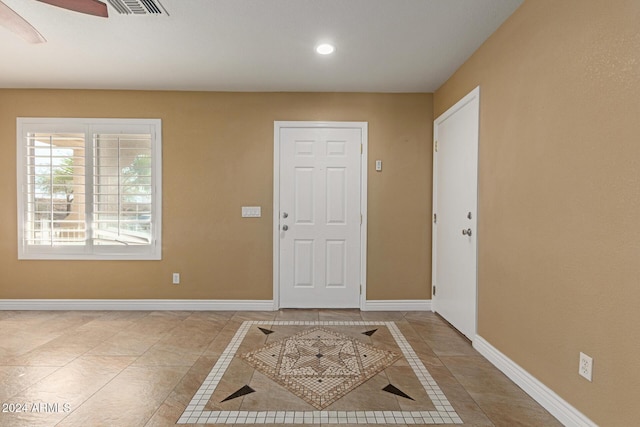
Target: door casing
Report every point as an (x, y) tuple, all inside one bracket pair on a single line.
[(277, 126)]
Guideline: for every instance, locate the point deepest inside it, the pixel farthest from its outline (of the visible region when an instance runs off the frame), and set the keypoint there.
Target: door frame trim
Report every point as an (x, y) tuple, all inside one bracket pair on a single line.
[(277, 126), (472, 96)]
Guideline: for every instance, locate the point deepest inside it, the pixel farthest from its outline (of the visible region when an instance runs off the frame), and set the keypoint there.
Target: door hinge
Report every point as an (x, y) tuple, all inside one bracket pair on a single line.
[(434, 290), (435, 218), (360, 219), (360, 289), (361, 148), (435, 146)]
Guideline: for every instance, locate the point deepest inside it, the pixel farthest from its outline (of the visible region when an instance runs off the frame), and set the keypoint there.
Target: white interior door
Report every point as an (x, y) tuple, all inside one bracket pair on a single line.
[(455, 200), (319, 222)]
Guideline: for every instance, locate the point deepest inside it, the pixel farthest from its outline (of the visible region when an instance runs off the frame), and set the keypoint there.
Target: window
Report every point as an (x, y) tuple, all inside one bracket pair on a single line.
[(89, 188)]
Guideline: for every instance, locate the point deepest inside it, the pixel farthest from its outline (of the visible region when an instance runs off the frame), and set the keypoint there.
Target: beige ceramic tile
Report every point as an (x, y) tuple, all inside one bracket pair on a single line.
[(166, 356), (167, 414), (143, 368), (130, 399), (236, 376), (15, 379), (51, 354), (54, 397), (297, 314), (270, 396), (387, 316), (185, 389), (126, 343), (7, 314), (349, 314), (465, 406), (241, 316), (403, 378)]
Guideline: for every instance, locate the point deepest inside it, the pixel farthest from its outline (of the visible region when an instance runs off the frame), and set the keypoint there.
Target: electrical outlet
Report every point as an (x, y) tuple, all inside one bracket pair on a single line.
[(176, 278), (585, 368)]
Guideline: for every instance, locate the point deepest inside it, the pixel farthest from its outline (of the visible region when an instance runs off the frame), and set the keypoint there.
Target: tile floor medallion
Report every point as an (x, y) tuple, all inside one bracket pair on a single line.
[(319, 372), (318, 365)]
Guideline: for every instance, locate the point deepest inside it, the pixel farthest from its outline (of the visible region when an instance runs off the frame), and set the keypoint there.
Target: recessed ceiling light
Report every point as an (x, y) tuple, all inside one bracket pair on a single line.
[(325, 49)]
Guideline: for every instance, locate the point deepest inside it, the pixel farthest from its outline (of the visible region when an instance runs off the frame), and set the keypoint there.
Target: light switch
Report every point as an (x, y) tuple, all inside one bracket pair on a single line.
[(251, 212), (378, 165)]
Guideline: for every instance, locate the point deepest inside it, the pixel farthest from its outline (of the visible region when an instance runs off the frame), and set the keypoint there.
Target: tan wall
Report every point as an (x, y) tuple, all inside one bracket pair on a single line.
[(559, 249), (217, 157)]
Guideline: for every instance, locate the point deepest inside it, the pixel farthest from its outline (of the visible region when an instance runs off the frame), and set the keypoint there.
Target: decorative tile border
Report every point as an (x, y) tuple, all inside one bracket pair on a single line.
[(195, 413)]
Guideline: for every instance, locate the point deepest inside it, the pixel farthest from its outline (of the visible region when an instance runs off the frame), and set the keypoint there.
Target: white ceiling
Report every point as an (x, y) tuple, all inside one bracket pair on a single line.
[(252, 45)]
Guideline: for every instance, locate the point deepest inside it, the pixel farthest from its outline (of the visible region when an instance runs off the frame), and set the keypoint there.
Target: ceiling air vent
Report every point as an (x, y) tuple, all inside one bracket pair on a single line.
[(139, 7)]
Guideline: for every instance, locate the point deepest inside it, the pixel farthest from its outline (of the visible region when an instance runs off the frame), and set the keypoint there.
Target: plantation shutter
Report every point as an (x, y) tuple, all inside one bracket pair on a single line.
[(122, 189), (89, 188), (54, 191)]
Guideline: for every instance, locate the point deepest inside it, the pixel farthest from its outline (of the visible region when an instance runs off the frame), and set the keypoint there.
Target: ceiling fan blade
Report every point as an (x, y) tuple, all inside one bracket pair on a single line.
[(17, 24), (89, 7)]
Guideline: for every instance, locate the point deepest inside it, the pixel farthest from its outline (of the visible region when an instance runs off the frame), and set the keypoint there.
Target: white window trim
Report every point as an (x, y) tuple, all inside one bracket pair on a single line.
[(90, 252)]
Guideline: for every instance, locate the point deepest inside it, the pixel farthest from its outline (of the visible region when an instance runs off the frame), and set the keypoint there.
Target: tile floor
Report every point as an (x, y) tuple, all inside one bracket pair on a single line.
[(82, 368)]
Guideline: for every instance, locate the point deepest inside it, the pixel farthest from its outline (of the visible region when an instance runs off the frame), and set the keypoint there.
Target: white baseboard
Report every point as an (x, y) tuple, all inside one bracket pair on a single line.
[(187, 305), (136, 304), (547, 398), (397, 305)]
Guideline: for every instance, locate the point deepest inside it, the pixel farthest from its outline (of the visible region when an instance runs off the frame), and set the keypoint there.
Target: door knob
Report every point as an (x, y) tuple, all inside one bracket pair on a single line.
[(285, 215), (285, 227), (466, 232)]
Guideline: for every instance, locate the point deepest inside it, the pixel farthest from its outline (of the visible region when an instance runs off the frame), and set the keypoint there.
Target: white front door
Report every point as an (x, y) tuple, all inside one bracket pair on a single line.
[(319, 221), (455, 200)]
